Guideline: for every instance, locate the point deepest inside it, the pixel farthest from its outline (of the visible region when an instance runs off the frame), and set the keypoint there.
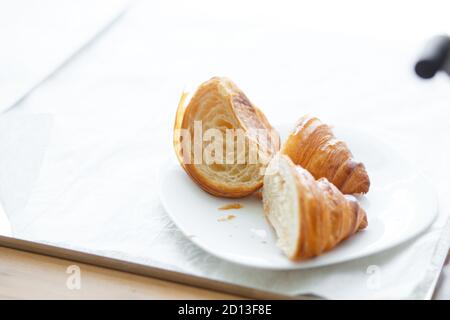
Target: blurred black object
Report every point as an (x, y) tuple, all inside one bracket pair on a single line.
[(434, 58)]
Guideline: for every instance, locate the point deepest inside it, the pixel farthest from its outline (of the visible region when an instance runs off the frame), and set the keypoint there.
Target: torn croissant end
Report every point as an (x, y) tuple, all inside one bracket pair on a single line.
[(313, 146), (219, 104), (177, 126), (309, 217)]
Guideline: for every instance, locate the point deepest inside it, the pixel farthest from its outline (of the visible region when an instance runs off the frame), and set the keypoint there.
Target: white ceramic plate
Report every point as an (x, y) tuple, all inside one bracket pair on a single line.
[(400, 205)]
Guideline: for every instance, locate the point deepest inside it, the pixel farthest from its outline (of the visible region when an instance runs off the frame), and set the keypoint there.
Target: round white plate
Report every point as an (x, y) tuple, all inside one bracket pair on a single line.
[(400, 205)]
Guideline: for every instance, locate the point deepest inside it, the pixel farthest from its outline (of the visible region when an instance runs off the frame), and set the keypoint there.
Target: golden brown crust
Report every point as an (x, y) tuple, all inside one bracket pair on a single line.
[(327, 217), (313, 145), (229, 101), (177, 126)]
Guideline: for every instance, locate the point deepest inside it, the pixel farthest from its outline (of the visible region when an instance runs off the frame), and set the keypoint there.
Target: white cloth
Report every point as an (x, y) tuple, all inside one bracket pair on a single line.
[(5, 226), (38, 36), (113, 108)]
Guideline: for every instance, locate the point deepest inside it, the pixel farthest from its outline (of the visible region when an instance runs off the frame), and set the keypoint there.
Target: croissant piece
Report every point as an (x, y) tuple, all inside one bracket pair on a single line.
[(309, 217), (220, 110), (313, 146)]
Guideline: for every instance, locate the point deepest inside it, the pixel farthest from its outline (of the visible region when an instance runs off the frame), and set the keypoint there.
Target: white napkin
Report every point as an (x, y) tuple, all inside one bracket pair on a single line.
[(5, 226), (23, 142), (38, 36), (113, 114), (97, 192)]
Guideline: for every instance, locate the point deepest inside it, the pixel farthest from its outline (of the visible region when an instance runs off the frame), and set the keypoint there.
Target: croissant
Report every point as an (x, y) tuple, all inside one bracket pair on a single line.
[(309, 216), (228, 157), (313, 145)]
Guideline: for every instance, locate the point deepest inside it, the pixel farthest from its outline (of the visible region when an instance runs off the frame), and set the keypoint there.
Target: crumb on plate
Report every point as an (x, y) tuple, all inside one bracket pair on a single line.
[(231, 206), (226, 218)]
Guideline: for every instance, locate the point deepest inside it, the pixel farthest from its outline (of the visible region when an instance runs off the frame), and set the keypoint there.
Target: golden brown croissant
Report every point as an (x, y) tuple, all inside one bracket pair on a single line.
[(309, 216), (313, 145), (221, 112)]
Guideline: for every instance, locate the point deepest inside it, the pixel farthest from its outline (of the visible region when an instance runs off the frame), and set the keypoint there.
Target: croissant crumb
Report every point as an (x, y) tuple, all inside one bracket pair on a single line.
[(226, 218), (231, 206)]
